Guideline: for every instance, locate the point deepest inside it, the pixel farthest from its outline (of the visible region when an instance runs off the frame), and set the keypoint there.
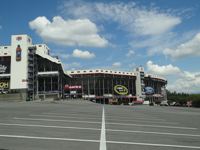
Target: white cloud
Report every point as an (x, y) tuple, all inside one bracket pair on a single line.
[(189, 48), (154, 23), (0, 27), (182, 81), (188, 82), (116, 64), (130, 53), (83, 54), (141, 21), (80, 32), (162, 70)]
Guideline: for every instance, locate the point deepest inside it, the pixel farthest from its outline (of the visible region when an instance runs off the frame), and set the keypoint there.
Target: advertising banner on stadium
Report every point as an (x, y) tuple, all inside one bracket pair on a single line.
[(72, 87), (4, 65), (120, 90), (149, 90), (4, 84)]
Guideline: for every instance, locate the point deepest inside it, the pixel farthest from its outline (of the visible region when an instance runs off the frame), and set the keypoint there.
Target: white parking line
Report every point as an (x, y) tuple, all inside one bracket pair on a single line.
[(102, 145), (46, 126), (138, 118), (97, 141), (113, 123), (159, 133), (155, 145), (56, 116), (108, 116), (152, 126), (93, 118), (97, 129), (48, 138), (57, 120), (72, 114)]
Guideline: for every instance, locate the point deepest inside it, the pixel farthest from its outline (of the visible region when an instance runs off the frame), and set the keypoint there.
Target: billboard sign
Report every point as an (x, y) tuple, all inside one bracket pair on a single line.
[(148, 90), (3, 68), (120, 89), (4, 84), (18, 53), (4, 65), (72, 87)]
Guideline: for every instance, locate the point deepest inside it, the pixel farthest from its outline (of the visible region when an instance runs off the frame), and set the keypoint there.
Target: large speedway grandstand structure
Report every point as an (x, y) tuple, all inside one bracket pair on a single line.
[(29, 72)]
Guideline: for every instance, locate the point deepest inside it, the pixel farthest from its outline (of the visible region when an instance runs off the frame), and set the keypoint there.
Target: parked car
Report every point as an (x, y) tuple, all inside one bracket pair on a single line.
[(151, 104), (164, 103), (2, 91)]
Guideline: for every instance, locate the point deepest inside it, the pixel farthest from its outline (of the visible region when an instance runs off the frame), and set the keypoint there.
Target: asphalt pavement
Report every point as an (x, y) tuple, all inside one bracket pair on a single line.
[(79, 124)]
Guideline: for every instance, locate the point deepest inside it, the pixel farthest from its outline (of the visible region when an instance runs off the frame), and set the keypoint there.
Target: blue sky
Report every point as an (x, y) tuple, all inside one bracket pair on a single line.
[(162, 36)]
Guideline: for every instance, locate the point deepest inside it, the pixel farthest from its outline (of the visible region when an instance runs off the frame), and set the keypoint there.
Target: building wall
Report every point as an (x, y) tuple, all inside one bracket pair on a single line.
[(100, 84), (19, 69)]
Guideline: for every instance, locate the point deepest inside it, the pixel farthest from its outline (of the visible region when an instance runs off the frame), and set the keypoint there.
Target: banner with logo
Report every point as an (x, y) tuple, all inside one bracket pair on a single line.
[(4, 65), (4, 84), (120, 90)]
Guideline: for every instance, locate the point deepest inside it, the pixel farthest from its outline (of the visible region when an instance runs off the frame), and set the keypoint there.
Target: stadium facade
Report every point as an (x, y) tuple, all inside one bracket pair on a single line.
[(29, 72)]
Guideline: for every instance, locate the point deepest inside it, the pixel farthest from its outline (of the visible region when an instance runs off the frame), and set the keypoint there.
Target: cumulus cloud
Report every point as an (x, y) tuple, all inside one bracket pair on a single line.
[(116, 64), (80, 32), (189, 48), (141, 21), (188, 82), (130, 53), (83, 54), (183, 81), (162, 70)]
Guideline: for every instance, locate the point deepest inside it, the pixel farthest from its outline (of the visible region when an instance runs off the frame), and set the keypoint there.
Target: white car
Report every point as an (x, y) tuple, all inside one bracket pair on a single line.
[(3, 92), (164, 103)]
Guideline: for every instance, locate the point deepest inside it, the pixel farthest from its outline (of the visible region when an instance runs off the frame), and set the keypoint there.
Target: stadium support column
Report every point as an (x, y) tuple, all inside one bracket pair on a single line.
[(103, 92), (139, 83), (37, 88), (88, 88), (129, 89), (94, 86), (58, 84), (51, 83), (44, 88), (82, 87)]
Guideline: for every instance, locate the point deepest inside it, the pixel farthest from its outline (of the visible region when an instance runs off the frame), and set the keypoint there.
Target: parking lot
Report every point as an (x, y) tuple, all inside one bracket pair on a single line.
[(84, 125)]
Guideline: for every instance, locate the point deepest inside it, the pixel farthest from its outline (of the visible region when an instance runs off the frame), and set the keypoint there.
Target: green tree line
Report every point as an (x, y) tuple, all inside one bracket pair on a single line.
[(183, 98)]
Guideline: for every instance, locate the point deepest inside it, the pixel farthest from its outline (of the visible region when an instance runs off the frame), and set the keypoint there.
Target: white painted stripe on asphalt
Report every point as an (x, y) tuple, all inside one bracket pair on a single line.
[(109, 116), (152, 126), (155, 145), (102, 145), (96, 141), (46, 126), (93, 118), (114, 123), (48, 138), (54, 116), (97, 129), (159, 133), (71, 114), (138, 118), (55, 120)]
